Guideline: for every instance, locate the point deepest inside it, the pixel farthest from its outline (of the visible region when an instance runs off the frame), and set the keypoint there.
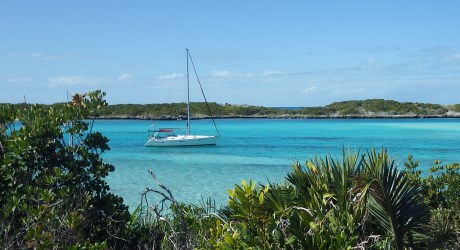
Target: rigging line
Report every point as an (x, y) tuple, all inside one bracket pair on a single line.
[(206, 101)]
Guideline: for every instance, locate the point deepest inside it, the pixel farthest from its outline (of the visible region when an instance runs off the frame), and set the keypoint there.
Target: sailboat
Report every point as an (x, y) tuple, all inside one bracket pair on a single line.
[(165, 137)]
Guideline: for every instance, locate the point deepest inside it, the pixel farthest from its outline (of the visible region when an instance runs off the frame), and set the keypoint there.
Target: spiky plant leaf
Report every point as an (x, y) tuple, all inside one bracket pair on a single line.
[(394, 202)]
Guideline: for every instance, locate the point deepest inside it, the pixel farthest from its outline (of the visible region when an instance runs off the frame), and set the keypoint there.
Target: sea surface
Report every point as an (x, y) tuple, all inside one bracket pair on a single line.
[(262, 150)]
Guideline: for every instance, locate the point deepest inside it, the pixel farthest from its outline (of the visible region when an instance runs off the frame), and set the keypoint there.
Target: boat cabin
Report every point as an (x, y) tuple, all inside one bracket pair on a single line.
[(162, 133)]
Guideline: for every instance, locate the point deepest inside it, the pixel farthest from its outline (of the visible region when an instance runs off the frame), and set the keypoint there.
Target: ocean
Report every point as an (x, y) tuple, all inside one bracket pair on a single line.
[(262, 150)]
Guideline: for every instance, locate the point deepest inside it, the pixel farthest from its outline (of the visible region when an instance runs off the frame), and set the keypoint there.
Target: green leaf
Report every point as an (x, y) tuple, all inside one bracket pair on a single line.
[(291, 240)]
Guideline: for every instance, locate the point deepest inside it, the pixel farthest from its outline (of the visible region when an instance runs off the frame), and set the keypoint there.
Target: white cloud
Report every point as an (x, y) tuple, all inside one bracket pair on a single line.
[(309, 90), (125, 77), (228, 74), (73, 81), (46, 57), (221, 73), (453, 58), (273, 73), (171, 76), (376, 49)]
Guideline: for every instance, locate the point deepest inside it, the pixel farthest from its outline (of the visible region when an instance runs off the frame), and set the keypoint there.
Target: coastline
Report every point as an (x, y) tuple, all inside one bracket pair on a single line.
[(201, 117)]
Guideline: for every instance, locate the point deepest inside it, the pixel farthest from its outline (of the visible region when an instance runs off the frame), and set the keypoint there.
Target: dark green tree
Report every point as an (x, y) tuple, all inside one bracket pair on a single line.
[(52, 188)]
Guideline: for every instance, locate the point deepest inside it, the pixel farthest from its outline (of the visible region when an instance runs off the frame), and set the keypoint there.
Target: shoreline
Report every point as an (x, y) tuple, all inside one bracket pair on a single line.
[(171, 118)]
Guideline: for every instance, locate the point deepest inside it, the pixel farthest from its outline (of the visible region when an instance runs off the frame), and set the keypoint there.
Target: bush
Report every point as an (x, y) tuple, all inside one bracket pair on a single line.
[(53, 192)]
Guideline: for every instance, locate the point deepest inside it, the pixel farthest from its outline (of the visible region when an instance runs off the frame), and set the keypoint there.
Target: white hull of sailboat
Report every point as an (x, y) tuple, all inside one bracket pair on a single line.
[(182, 140)]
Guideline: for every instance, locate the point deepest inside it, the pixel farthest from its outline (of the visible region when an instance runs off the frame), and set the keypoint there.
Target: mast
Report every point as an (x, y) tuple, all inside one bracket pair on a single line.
[(188, 97)]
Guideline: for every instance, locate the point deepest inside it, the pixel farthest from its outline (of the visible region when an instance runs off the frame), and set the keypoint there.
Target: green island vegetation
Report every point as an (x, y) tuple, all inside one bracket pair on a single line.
[(360, 109), (372, 108), (53, 195)]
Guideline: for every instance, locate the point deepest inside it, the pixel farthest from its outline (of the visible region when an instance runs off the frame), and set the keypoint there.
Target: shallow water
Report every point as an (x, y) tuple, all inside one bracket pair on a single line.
[(261, 149)]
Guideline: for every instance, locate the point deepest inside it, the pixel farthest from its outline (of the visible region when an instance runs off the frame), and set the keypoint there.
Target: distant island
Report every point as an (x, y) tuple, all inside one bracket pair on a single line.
[(372, 108)]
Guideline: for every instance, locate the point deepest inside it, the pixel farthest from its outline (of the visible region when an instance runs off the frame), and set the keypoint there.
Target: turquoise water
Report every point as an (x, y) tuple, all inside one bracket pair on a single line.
[(261, 149)]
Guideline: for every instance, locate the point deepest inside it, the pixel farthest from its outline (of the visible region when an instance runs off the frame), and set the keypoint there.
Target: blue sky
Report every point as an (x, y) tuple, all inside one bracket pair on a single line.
[(268, 53)]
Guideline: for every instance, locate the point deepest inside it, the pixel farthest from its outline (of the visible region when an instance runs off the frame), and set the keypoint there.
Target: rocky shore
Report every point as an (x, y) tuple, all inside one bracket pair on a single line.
[(334, 116)]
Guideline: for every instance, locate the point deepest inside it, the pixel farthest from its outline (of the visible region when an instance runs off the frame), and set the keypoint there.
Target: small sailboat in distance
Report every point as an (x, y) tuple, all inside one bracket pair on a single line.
[(164, 137)]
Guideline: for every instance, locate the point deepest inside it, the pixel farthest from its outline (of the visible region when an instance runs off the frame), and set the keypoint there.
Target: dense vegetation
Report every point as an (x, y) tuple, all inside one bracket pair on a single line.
[(455, 107), (178, 110), (53, 195), (366, 108), (52, 188), (358, 202), (384, 107)]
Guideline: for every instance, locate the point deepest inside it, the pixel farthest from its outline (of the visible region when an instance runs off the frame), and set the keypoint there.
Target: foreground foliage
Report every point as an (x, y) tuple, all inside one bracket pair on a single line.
[(329, 204), (358, 202), (52, 188)]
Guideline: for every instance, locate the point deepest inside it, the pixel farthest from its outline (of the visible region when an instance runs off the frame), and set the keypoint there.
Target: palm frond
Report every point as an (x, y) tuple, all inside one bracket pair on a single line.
[(279, 198), (394, 201)]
